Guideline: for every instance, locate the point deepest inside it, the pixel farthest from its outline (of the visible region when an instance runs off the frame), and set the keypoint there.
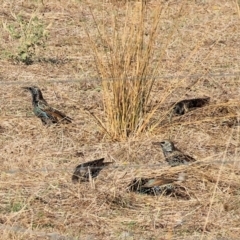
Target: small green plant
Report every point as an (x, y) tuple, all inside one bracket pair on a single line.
[(30, 34), (15, 206)]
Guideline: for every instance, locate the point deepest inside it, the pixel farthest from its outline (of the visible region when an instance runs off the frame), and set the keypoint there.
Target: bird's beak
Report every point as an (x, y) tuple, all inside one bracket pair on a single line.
[(26, 88), (156, 143)]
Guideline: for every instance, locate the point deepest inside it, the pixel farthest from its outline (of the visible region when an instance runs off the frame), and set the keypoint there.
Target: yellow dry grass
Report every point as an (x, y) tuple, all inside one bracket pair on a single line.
[(38, 200)]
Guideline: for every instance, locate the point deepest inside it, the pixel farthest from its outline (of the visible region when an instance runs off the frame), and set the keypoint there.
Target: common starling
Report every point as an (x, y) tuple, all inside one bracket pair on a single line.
[(187, 105), (41, 109), (84, 170), (172, 155), (171, 186), (152, 186)]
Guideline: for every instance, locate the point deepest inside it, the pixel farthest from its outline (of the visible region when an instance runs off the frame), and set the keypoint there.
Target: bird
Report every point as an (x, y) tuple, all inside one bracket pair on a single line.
[(89, 169), (172, 155), (184, 106), (152, 186), (42, 110), (160, 186)]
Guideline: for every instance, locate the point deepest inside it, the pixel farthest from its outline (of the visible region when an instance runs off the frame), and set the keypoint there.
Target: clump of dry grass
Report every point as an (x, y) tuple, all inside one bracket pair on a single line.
[(124, 63)]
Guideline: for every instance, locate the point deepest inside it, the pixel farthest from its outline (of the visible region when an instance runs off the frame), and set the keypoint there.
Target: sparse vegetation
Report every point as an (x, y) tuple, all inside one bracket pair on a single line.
[(196, 43), (30, 35)]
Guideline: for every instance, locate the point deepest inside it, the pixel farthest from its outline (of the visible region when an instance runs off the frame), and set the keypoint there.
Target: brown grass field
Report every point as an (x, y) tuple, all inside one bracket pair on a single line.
[(197, 51)]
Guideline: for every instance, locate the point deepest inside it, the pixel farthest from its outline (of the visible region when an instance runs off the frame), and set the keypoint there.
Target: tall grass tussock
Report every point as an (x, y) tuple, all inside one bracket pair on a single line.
[(124, 62)]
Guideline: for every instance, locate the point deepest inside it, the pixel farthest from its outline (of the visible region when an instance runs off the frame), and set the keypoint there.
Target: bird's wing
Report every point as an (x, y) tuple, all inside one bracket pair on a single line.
[(43, 105), (178, 156), (185, 158), (200, 102), (94, 163), (57, 114), (44, 115), (158, 182)]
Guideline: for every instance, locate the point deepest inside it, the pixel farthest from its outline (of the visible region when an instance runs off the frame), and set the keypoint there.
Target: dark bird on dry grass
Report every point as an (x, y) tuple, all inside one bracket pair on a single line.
[(172, 155), (160, 186), (187, 105), (152, 186), (42, 110), (87, 170)]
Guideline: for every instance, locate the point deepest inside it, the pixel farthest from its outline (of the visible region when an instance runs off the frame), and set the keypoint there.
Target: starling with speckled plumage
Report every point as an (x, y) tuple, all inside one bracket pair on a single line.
[(87, 170), (42, 110), (172, 155), (151, 186), (160, 186)]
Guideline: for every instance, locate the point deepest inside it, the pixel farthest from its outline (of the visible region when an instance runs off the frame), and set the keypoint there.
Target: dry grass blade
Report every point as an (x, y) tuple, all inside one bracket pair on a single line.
[(124, 65)]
